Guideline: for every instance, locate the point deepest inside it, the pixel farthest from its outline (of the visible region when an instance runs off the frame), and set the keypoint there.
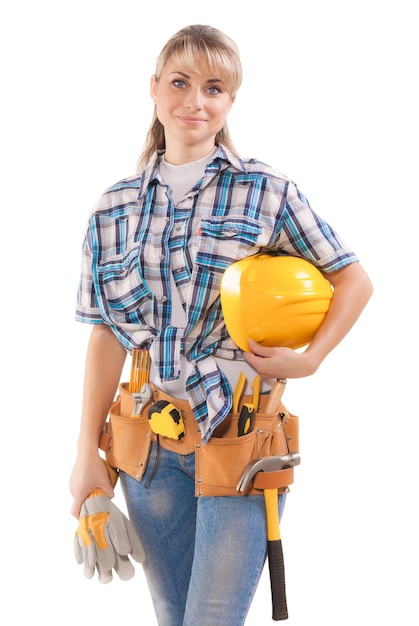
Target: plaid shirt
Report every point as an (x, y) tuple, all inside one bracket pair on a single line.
[(136, 237)]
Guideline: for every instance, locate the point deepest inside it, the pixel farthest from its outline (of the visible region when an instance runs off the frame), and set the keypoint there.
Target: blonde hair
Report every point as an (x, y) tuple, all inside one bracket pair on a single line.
[(194, 47)]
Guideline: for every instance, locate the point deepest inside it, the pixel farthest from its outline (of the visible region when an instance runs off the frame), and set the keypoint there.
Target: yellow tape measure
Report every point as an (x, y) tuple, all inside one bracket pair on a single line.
[(166, 420)]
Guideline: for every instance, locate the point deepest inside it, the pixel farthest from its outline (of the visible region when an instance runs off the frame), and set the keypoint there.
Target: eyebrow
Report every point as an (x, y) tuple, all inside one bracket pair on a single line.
[(210, 80)]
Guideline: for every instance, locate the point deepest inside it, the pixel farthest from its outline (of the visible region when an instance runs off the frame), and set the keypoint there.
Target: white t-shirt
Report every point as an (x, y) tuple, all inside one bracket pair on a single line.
[(181, 178)]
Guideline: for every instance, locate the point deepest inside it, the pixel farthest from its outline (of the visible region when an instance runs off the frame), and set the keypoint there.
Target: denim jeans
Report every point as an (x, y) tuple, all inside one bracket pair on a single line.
[(204, 555)]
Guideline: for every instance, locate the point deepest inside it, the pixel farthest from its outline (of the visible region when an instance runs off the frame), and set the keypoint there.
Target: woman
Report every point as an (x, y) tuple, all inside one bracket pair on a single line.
[(153, 257)]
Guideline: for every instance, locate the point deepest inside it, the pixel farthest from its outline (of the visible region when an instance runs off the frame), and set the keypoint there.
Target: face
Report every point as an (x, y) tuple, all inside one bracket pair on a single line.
[(191, 106)]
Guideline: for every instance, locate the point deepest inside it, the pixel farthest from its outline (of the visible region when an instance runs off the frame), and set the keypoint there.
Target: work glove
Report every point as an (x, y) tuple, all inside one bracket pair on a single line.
[(104, 538)]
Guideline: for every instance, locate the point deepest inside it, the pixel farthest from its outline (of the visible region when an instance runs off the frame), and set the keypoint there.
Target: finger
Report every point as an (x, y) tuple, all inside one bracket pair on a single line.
[(88, 570), (118, 534), (124, 568), (104, 575), (78, 552), (89, 556), (257, 361), (125, 539), (107, 489), (137, 549), (75, 508), (105, 557), (259, 350)]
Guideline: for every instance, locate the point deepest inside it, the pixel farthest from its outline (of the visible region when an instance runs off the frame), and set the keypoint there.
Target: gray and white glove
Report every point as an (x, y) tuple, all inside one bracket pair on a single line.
[(105, 538)]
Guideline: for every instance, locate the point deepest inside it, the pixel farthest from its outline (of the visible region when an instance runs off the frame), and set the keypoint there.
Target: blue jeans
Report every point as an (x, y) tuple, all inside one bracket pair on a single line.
[(204, 555)]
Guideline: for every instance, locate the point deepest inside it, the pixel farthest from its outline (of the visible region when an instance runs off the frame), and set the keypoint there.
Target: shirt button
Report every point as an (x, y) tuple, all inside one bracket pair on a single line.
[(161, 257), (164, 299), (178, 228)]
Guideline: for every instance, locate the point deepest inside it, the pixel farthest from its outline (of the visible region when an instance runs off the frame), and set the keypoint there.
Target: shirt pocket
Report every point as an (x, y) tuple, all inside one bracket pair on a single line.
[(123, 292), (225, 240)]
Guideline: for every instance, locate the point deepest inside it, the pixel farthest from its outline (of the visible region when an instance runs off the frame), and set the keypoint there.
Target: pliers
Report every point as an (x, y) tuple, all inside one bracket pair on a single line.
[(248, 410)]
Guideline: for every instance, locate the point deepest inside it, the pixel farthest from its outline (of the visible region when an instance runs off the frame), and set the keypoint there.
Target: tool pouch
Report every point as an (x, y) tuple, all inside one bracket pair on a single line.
[(220, 463), (126, 440), (126, 437)]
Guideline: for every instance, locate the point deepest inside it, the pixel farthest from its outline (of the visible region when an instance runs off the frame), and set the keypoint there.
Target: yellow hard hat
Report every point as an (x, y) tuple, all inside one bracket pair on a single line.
[(274, 300)]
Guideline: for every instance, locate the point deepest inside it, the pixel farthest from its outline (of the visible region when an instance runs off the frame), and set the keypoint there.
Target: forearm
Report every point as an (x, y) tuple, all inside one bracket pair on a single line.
[(352, 290), (104, 362)]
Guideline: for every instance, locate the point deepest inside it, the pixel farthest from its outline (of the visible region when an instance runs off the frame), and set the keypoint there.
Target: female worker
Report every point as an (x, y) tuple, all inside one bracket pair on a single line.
[(156, 246)]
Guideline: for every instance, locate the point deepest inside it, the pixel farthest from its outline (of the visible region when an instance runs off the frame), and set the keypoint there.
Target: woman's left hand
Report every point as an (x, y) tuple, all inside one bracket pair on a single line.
[(279, 362)]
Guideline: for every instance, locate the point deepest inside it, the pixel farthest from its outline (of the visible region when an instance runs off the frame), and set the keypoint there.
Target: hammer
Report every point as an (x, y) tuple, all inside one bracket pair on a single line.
[(275, 554)]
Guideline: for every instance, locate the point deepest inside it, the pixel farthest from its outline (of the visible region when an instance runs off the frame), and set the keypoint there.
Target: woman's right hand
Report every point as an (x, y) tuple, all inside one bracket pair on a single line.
[(88, 473)]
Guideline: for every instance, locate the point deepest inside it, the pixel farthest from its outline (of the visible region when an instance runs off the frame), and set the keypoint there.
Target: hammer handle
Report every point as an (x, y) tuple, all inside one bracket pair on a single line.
[(274, 400), (275, 556), (277, 576)]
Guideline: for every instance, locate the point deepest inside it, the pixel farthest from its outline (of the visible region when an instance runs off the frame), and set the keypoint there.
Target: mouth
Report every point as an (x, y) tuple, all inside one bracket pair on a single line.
[(190, 120)]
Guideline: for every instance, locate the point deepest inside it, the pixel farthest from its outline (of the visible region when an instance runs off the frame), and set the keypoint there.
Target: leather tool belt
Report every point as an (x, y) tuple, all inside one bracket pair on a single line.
[(126, 441)]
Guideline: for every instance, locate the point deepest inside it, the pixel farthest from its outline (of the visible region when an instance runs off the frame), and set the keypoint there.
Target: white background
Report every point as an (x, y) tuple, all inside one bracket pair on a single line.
[(330, 98)]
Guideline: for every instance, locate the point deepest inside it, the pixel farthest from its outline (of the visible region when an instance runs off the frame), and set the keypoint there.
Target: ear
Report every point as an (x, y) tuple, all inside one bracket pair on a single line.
[(232, 100), (153, 87)]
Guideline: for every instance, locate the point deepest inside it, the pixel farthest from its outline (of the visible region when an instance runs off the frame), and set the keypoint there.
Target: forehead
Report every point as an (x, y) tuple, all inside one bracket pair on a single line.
[(201, 72), (208, 66)]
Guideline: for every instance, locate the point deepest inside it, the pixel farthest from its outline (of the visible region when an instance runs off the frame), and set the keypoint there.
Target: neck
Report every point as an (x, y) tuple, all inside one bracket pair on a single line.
[(178, 155)]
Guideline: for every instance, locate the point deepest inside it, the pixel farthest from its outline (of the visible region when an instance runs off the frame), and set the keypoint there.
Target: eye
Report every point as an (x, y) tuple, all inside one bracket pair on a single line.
[(179, 83), (214, 90)]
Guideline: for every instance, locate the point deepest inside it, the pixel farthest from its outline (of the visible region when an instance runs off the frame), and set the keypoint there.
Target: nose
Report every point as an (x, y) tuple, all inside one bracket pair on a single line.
[(193, 99)]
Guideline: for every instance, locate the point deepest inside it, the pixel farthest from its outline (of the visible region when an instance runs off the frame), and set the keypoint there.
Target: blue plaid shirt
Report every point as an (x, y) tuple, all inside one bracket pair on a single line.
[(136, 237)]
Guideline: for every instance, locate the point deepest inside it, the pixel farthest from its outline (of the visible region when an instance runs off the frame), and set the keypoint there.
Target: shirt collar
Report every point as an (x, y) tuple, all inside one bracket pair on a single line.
[(235, 161), (150, 175)]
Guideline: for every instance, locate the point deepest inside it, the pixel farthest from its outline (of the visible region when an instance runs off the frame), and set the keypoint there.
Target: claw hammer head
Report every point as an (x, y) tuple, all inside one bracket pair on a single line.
[(267, 464)]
